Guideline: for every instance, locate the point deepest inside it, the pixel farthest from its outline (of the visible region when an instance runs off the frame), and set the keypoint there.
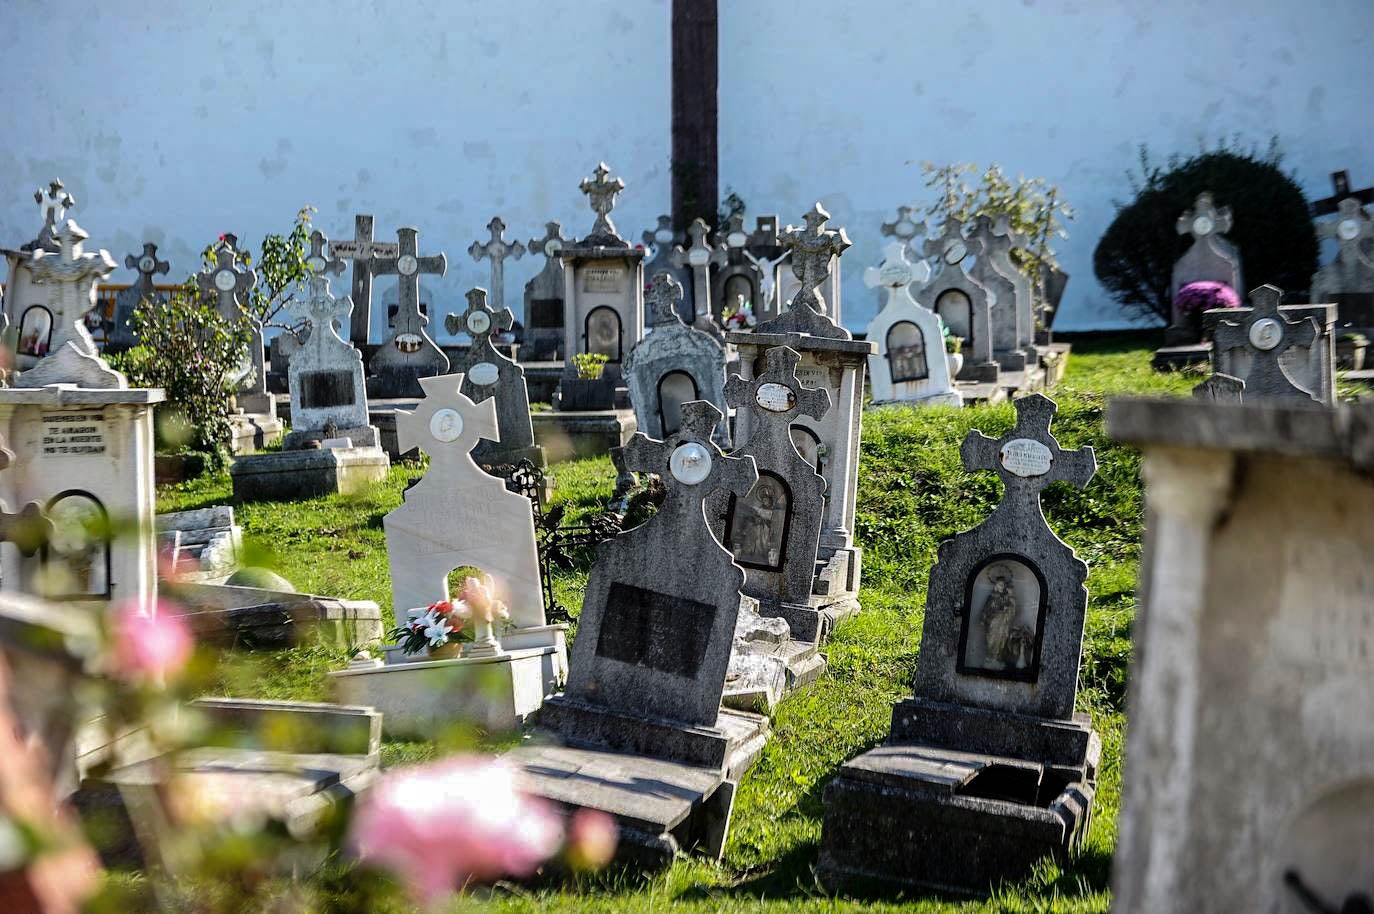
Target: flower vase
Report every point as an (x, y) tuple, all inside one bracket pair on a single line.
[(484, 643), (449, 650), (956, 364)]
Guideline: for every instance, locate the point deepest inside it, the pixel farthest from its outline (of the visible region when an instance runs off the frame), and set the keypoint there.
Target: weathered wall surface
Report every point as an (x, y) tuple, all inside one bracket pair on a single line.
[(174, 124)]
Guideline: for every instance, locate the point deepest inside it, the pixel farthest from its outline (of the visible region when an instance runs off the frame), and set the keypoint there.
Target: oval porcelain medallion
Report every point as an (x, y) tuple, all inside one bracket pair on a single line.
[(776, 398), (1265, 334), (1348, 230), (483, 374), (956, 252), (446, 424), (225, 280), (552, 248), (1025, 458), (146, 264), (1203, 225), (479, 322), (408, 342), (406, 265), (690, 463)]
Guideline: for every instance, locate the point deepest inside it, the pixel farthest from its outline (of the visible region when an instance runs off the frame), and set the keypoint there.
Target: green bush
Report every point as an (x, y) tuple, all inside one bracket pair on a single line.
[(1272, 226)]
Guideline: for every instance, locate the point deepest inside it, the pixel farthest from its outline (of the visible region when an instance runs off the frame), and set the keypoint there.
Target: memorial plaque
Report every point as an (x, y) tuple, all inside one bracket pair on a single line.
[(1001, 634), (758, 525), (484, 374), (71, 434), (655, 630), (1026, 458), (351, 250), (603, 279), (323, 389), (546, 312), (813, 376), (776, 398)]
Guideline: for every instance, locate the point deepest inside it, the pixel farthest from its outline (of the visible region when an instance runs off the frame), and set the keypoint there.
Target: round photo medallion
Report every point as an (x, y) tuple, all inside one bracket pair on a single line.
[(1348, 230), (225, 280), (484, 374), (406, 265), (1203, 225), (1265, 334), (956, 252), (146, 264), (690, 463), (479, 322), (446, 424), (552, 248)]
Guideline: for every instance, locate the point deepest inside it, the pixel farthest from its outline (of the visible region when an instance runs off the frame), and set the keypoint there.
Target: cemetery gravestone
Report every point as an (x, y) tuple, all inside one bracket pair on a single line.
[(544, 300), (774, 531), (905, 229), (1349, 278), (361, 249), (1210, 258), (738, 281), (487, 374), (496, 250), (672, 366), (408, 353), (1265, 334), (700, 257), (662, 243), (962, 302), (1250, 782), (1013, 320), (911, 364), (30, 319), (127, 301), (987, 768), (83, 450), (231, 283), (832, 360)]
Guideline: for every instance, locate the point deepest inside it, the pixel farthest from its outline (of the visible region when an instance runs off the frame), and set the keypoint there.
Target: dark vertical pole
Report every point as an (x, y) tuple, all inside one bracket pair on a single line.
[(696, 178)]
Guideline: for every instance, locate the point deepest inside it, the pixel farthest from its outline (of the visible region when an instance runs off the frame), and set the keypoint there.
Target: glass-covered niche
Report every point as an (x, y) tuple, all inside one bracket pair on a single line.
[(1003, 619)]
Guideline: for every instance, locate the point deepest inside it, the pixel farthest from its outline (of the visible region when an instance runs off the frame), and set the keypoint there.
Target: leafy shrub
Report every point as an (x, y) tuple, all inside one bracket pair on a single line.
[(1272, 226), (589, 365)]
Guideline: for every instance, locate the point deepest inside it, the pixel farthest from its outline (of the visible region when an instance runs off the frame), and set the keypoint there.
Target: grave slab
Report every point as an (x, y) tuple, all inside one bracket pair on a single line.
[(307, 473)]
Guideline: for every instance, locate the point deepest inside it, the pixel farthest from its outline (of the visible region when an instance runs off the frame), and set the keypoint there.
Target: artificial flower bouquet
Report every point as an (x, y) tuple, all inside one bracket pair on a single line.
[(740, 317), (470, 618)]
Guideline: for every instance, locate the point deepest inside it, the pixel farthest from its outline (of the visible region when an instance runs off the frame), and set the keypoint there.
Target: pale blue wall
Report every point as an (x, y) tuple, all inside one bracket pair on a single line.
[(174, 125)]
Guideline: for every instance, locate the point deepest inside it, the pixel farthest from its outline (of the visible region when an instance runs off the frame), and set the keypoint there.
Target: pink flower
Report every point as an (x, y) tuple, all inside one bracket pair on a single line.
[(440, 825), (592, 837), (149, 647), (1206, 295)]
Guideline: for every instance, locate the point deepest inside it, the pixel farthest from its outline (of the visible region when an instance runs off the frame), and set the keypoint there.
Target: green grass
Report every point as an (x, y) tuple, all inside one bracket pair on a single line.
[(913, 493)]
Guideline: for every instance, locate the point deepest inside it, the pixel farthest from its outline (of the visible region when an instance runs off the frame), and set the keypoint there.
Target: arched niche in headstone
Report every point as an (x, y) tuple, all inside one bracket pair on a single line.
[(808, 445), (757, 524), (906, 353), (76, 560), (35, 331), (674, 389), (601, 332), (1003, 620), (956, 310)]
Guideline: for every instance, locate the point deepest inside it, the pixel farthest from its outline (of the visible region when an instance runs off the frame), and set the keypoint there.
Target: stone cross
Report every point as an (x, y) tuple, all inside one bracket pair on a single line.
[(147, 265), (497, 250), (54, 205), (361, 249), (951, 246), (319, 261), (322, 309), (74, 272), (772, 419), (29, 529), (1350, 231), (447, 426), (480, 320), (407, 266), (896, 272), (691, 466), (735, 237), (601, 190), (551, 243), (662, 236), (1028, 458), (812, 250), (1267, 334), (663, 295), (228, 279), (700, 256), (1204, 219), (904, 228)]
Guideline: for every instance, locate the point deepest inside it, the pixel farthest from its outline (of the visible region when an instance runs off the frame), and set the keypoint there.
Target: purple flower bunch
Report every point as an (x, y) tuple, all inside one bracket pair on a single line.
[(1197, 297)]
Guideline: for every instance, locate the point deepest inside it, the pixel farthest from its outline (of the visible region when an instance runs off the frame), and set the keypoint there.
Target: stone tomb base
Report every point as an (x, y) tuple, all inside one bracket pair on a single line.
[(419, 697), (290, 475), (258, 619), (670, 786), (568, 435), (919, 812), (1176, 358), (249, 432)]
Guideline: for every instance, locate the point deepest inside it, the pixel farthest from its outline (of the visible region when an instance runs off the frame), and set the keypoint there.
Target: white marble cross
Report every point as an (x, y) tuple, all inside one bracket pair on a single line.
[(601, 190), (74, 272), (54, 205), (700, 256), (896, 272), (1204, 218), (407, 266), (497, 250), (447, 425), (228, 279), (812, 250)]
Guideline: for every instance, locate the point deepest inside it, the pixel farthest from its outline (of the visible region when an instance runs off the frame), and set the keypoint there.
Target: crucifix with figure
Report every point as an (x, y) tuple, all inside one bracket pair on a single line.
[(496, 250)]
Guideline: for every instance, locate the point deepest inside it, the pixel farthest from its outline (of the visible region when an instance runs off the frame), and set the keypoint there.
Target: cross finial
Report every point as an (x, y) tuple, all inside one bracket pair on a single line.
[(664, 294), (1351, 228), (700, 254), (497, 249), (318, 259), (1205, 218), (904, 228), (408, 266), (601, 190), (896, 272), (551, 243), (73, 271), (690, 464), (735, 236), (812, 250), (1028, 458), (776, 397), (322, 308), (1267, 334), (54, 203), (228, 279), (951, 246), (480, 320)]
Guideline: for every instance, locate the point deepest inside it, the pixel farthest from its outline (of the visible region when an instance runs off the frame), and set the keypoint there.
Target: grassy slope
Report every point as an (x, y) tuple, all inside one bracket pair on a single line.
[(912, 494)]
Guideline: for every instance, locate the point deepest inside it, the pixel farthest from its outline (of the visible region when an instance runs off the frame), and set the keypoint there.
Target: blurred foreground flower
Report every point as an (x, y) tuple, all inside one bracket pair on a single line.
[(592, 837), (443, 824), (149, 648)]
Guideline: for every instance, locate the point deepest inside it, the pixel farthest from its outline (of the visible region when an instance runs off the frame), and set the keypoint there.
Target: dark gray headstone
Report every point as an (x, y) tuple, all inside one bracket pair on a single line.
[(409, 353), (661, 244), (961, 301), (1267, 334), (658, 620), (488, 374), (121, 335), (544, 295), (361, 249), (1006, 602)]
